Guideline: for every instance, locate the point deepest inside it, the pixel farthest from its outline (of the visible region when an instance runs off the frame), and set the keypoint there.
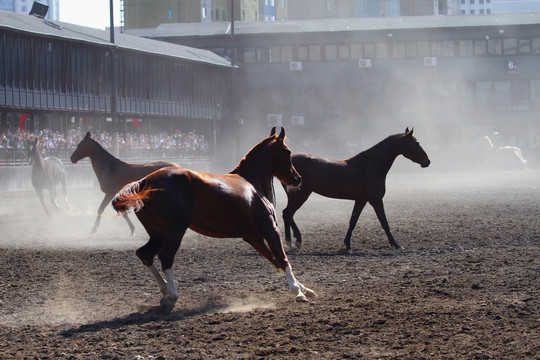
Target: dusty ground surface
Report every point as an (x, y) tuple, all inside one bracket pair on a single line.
[(465, 287)]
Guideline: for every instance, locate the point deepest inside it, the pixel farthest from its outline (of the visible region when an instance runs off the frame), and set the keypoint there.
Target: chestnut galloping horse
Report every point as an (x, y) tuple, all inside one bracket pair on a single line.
[(361, 178), (236, 205), (46, 174), (112, 173)]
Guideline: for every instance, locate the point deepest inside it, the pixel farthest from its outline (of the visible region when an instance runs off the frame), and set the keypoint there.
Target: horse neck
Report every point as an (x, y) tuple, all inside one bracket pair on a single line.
[(37, 158), (382, 155), (100, 158), (256, 171)]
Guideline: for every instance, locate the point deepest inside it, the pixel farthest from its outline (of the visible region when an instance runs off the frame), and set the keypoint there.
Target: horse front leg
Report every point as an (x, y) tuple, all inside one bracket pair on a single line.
[(296, 197), (357, 210), (379, 210), (40, 195)]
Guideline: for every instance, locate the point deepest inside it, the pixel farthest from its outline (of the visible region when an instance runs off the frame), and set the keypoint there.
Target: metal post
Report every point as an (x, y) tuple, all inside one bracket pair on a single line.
[(115, 151)]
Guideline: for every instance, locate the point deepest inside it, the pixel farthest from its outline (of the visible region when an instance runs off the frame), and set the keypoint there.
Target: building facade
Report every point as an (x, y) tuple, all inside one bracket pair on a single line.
[(148, 13), (24, 7)]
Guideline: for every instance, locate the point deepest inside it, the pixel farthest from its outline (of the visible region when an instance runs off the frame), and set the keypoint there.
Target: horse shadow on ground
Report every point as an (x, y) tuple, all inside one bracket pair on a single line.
[(148, 314)]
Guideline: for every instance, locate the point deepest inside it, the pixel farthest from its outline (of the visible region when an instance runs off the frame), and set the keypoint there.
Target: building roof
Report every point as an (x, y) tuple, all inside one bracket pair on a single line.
[(336, 25), (57, 29)]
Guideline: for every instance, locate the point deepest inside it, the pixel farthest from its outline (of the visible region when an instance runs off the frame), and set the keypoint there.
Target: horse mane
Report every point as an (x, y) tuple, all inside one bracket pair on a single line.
[(249, 158)]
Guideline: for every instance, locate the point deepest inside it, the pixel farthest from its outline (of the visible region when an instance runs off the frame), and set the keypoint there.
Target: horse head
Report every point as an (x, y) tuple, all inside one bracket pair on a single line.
[(411, 149), (282, 166), (33, 148), (83, 149)]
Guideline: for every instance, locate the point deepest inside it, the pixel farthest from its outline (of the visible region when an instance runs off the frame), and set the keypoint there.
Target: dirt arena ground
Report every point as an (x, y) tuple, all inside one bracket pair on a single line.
[(465, 287)]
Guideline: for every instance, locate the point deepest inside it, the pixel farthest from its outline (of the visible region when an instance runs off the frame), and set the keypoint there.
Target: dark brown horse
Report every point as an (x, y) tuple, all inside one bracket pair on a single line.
[(236, 205), (46, 174), (112, 173), (361, 178)]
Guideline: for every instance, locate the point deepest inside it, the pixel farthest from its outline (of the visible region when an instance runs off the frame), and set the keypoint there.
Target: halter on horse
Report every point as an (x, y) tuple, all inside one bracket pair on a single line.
[(236, 205), (112, 173), (361, 178)]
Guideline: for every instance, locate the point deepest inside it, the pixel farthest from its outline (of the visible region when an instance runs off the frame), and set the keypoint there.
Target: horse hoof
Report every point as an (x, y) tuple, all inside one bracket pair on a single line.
[(287, 246), (309, 293), (298, 245), (301, 298), (166, 306)]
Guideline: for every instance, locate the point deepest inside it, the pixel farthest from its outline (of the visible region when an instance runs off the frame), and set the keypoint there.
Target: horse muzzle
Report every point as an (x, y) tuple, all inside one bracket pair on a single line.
[(425, 163)]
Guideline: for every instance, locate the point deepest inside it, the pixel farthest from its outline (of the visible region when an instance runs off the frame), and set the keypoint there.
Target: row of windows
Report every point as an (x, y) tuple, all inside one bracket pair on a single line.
[(31, 67), (389, 50), (405, 98)]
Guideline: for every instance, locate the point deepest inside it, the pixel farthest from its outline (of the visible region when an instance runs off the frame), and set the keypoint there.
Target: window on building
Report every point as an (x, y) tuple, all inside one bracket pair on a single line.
[(423, 49), (536, 46), (244, 15), (343, 52), (465, 48), (524, 46), (471, 2), (410, 49), (314, 53), (398, 50), (217, 14), (203, 13), (480, 47), (494, 46), (436, 49), (249, 55), (448, 48), (510, 46), (356, 51), (169, 14), (224, 17), (286, 53), (330, 52), (369, 51), (381, 50), (303, 53), (274, 54), (471, 12)]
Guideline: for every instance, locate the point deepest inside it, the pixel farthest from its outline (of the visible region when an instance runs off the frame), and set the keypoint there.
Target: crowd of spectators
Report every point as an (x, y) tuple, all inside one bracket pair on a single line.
[(57, 140)]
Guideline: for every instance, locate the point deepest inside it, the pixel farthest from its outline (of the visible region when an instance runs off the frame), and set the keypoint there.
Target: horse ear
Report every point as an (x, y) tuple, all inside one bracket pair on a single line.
[(273, 131), (407, 130), (411, 133), (88, 135), (282, 133)]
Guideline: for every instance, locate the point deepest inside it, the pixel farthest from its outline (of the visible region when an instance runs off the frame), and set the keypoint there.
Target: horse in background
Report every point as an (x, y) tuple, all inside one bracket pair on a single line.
[(112, 173), (361, 178), (500, 158), (46, 174), (235, 205)]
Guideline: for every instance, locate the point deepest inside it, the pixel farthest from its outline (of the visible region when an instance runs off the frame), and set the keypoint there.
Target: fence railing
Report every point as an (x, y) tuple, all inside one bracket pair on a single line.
[(13, 157)]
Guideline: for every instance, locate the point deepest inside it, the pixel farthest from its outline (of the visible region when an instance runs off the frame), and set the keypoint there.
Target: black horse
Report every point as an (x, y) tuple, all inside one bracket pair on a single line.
[(361, 178), (46, 174)]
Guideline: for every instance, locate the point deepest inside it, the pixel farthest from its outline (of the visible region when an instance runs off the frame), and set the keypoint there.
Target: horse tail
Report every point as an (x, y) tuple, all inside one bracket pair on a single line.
[(132, 197)]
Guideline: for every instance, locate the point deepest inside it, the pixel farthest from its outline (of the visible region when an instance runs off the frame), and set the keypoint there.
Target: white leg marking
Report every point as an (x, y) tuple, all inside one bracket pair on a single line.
[(161, 283), (172, 292), (294, 286)]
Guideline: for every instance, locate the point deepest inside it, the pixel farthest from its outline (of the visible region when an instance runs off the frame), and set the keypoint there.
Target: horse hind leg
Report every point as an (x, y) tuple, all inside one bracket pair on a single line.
[(357, 210), (101, 208), (166, 255), (64, 191)]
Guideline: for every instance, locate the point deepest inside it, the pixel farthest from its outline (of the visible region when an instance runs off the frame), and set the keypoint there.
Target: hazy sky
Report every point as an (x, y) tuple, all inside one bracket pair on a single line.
[(92, 13)]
